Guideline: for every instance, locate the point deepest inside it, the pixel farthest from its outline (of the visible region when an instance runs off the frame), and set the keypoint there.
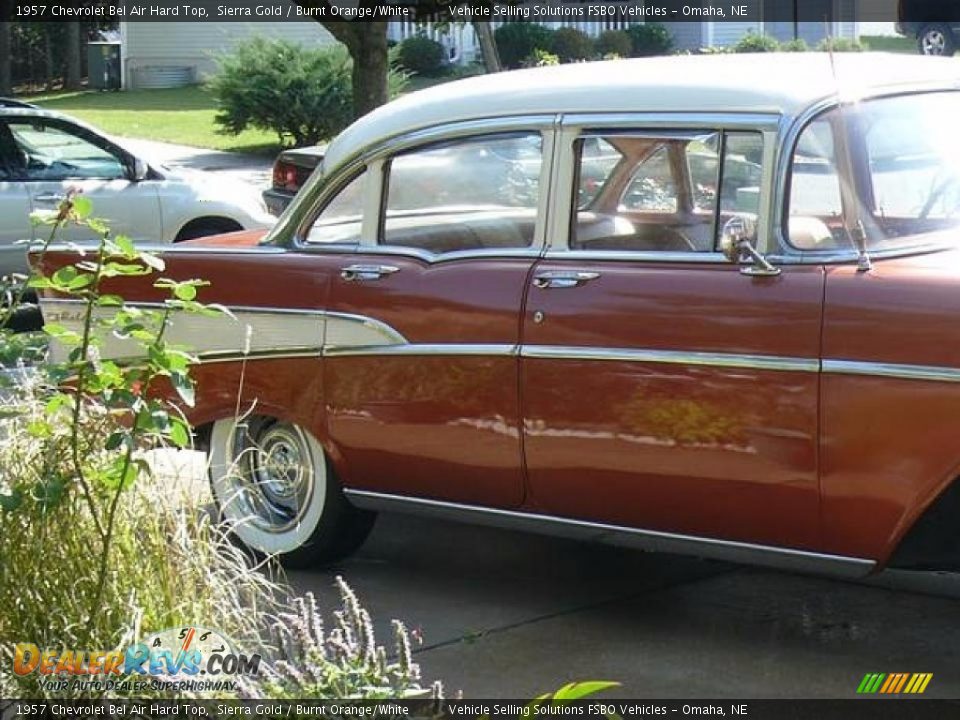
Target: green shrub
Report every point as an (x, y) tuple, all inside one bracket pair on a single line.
[(841, 45), (540, 58), (753, 43), (421, 55), (795, 45), (516, 41), (305, 95), (570, 45), (649, 39), (614, 43)]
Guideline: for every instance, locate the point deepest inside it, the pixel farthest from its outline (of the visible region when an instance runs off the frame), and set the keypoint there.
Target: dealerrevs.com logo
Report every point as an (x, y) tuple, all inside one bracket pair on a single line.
[(186, 658)]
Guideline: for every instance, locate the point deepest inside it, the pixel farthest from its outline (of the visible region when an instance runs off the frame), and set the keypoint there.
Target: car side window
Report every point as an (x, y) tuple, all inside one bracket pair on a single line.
[(341, 219), (816, 207), (662, 192), (51, 153), (472, 194)]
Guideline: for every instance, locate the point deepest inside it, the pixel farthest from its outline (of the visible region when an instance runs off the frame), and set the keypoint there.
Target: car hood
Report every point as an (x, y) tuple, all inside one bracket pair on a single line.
[(210, 184)]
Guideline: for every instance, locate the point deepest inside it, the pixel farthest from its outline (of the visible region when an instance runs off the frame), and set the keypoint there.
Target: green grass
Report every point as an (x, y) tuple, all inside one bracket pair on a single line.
[(181, 115), (890, 43)]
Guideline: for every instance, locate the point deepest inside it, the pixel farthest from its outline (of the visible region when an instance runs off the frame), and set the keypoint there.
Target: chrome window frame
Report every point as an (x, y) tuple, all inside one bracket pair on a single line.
[(791, 133), (543, 191), (575, 126), (291, 232), (780, 135)]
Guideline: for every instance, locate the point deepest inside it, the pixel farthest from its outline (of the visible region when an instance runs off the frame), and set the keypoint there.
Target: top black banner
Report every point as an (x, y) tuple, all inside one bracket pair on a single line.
[(601, 11)]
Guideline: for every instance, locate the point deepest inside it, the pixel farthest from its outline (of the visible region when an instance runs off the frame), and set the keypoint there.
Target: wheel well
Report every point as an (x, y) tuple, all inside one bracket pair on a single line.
[(201, 437), (933, 543), (209, 225)]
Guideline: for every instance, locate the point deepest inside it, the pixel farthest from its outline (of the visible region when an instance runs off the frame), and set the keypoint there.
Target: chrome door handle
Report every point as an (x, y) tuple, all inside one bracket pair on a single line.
[(359, 273), (564, 279), (50, 197)]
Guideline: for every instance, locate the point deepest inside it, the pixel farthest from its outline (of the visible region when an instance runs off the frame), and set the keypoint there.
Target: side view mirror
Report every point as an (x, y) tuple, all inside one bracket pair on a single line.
[(736, 244), (140, 169)]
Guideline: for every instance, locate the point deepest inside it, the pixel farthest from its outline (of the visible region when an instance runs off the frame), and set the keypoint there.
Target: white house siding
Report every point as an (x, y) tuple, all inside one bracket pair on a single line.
[(722, 34), (197, 45), (687, 35), (461, 43)]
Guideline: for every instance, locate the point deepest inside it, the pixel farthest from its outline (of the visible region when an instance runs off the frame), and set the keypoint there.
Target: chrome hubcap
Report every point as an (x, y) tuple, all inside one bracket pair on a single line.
[(934, 43), (273, 477)]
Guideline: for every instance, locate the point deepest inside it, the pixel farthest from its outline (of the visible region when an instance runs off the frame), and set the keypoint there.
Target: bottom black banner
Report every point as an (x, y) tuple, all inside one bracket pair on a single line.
[(879, 709)]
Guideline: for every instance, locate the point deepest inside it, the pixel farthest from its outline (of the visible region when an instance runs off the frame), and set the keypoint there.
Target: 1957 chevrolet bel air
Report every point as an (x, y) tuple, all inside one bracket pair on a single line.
[(707, 305)]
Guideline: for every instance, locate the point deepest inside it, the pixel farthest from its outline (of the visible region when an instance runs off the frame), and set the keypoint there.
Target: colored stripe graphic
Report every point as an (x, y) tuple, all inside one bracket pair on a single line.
[(894, 683)]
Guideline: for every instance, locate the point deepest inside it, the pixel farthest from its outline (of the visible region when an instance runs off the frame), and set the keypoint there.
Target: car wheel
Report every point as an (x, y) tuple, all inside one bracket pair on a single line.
[(936, 39), (275, 490)]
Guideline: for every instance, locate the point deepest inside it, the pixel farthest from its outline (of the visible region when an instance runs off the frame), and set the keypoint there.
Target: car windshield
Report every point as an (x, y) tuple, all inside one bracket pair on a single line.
[(904, 152)]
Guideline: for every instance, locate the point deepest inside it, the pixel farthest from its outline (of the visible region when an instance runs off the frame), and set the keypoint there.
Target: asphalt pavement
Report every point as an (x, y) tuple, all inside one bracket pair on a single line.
[(509, 615)]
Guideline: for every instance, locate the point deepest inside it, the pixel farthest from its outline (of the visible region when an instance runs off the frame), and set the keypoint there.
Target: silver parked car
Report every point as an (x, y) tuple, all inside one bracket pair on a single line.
[(44, 154)]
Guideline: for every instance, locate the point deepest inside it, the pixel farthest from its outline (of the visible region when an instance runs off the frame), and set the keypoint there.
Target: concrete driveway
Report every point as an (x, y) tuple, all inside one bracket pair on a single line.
[(508, 615)]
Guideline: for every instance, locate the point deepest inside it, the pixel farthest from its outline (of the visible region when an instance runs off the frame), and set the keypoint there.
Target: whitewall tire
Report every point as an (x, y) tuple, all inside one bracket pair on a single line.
[(273, 487)]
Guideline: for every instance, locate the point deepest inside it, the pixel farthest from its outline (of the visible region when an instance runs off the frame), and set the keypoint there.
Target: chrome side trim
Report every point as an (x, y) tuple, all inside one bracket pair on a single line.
[(251, 331), (892, 370), (756, 362), (529, 253), (285, 354), (650, 540), (439, 349), (712, 258), (348, 330), (258, 332)]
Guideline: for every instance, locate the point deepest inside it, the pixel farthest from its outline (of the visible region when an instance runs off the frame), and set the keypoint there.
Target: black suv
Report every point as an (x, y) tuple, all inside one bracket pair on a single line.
[(934, 23)]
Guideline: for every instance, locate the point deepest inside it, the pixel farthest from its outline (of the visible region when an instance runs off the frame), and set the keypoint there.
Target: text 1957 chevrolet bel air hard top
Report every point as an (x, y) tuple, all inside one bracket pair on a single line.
[(707, 305)]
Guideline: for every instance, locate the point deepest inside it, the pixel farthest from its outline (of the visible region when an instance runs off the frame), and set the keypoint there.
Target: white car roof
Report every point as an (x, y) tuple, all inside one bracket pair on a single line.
[(775, 83)]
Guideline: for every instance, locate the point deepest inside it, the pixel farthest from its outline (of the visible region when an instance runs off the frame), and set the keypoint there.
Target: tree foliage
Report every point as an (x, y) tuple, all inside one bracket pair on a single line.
[(518, 41), (421, 55), (305, 95)]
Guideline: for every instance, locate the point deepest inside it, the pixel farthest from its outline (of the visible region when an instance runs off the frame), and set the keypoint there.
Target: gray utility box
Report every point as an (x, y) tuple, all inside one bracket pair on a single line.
[(103, 65)]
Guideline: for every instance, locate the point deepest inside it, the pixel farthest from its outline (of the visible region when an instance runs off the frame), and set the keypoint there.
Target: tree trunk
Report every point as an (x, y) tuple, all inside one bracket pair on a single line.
[(488, 46), (6, 72), (47, 61), (370, 66), (73, 61)]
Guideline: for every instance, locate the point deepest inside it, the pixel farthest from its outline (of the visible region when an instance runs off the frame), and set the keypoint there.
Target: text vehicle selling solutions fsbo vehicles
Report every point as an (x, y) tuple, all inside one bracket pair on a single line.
[(691, 304)]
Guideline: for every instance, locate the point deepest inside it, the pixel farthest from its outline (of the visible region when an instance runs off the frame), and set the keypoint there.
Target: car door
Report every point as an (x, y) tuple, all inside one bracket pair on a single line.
[(15, 207), (60, 156), (421, 366), (661, 388)]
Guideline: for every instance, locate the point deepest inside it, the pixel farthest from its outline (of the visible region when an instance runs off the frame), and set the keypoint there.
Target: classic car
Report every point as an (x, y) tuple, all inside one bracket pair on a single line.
[(722, 317), (291, 170)]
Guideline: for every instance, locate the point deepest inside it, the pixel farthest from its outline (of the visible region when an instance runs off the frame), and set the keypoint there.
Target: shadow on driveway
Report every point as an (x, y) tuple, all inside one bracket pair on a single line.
[(511, 615)]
